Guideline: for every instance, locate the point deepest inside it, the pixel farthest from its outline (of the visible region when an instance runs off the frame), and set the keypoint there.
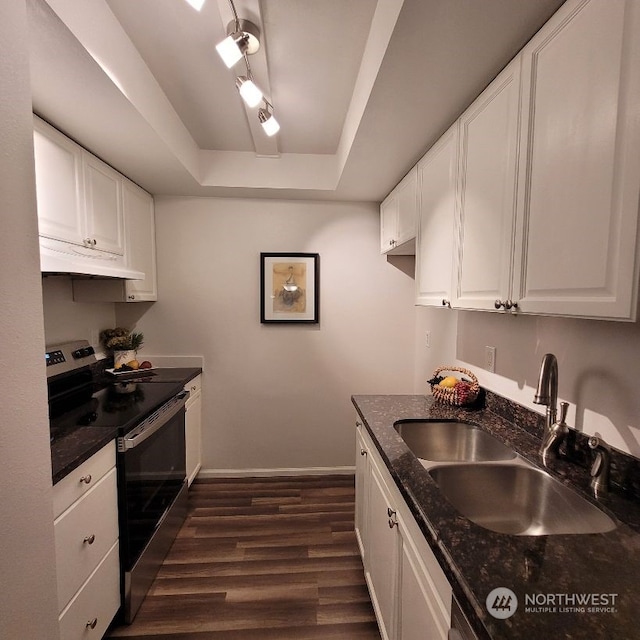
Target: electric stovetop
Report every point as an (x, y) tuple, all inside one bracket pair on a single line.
[(120, 404)]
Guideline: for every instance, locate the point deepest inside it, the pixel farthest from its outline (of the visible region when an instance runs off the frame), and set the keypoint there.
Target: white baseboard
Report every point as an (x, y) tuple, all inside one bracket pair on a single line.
[(266, 473)]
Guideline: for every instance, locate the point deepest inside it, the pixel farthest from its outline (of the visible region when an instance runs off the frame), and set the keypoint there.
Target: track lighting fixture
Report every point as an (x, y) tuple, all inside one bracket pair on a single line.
[(249, 91), (243, 40), (270, 125)]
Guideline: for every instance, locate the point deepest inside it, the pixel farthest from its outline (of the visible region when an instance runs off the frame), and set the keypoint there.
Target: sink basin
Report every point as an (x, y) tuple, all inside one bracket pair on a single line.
[(451, 441), (518, 500)]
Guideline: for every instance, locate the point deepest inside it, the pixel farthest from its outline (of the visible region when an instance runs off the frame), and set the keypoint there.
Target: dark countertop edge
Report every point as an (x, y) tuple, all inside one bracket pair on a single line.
[(397, 459), (71, 451)]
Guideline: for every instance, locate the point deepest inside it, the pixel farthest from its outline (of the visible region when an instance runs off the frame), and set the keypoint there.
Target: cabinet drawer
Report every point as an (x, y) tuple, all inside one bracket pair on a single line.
[(99, 600), (83, 535), (82, 479)]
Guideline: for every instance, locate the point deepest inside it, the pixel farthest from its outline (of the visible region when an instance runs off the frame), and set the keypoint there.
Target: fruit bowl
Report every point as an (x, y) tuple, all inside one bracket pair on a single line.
[(453, 390)]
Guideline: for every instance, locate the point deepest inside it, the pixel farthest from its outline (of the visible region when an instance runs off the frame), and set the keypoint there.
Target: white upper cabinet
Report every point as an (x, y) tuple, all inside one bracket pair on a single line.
[(580, 168), (398, 215), (548, 184), (103, 205), (437, 172), (59, 185), (141, 242), (487, 195), (140, 245)]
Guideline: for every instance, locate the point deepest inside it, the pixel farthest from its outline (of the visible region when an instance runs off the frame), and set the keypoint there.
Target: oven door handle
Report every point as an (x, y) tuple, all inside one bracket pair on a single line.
[(153, 423)]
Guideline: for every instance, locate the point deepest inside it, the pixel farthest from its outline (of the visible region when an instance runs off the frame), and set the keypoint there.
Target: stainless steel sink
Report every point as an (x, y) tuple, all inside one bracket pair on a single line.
[(518, 500), (451, 441)]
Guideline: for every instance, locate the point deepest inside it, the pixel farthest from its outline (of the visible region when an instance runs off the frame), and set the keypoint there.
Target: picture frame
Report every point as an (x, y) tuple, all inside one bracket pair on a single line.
[(289, 288)]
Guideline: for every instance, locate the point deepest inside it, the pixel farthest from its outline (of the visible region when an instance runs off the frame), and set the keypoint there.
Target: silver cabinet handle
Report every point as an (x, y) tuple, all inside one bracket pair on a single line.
[(363, 452), (90, 539), (131, 297), (392, 242), (86, 479), (510, 304), (392, 521), (193, 388), (390, 512), (498, 304), (92, 623), (358, 423), (446, 303)]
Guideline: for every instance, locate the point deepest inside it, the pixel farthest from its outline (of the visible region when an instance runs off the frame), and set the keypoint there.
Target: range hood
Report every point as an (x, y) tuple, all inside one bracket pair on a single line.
[(64, 258)]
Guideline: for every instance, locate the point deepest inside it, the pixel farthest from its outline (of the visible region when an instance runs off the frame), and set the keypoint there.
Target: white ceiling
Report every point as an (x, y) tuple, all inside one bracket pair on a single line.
[(361, 88)]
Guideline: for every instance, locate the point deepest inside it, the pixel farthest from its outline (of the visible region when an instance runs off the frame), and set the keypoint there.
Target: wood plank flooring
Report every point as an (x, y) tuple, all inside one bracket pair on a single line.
[(261, 558)]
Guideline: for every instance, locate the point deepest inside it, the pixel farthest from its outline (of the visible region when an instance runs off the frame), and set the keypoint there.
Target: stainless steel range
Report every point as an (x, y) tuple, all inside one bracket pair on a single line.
[(152, 486)]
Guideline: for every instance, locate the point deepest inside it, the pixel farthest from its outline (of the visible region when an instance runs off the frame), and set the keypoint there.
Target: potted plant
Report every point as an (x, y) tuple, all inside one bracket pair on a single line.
[(122, 343)]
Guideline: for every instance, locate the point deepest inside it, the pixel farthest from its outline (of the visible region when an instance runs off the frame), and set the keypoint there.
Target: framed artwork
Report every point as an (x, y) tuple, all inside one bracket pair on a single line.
[(289, 287)]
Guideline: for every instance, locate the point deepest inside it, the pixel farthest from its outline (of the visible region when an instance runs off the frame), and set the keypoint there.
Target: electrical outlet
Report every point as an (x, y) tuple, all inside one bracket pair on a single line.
[(427, 339), (490, 359), (95, 338)]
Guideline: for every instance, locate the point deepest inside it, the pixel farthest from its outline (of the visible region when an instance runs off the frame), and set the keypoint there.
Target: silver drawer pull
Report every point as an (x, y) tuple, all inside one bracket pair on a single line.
[(92, 623), (90, 539), (392, 523), (363, 452), (86, 479)]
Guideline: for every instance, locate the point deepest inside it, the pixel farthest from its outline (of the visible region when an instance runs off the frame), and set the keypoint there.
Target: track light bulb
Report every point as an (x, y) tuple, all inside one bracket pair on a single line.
[(268, 122), (232, 48), (249, 91)]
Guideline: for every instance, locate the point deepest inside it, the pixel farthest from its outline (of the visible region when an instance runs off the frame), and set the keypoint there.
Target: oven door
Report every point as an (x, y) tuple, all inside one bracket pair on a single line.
[(152, 474)]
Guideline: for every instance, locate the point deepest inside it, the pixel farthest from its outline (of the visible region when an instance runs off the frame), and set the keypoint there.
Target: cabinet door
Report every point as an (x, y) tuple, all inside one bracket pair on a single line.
[(398, 215), (141, 242), (103, 202), (581, 137), (407, 212), (384, 551), (487, 194), (58, 166), (362, 492), (420, 614), (436, 217), (388, 222)]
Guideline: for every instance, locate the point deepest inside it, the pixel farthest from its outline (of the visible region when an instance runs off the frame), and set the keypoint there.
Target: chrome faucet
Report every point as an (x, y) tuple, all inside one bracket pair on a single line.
[(547, 394), (601, 466), (555, 435)]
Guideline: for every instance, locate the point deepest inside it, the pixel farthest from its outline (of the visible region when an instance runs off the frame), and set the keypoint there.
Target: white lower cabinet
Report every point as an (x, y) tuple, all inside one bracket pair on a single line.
[(193, 428), (86, 544), (410, 594)]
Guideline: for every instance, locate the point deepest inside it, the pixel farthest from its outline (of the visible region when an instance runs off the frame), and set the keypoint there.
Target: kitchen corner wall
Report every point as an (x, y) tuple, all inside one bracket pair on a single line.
[(278, 396)]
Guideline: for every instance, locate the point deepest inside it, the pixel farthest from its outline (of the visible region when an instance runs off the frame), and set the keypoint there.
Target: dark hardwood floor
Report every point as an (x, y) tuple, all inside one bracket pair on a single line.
[(267, 559)]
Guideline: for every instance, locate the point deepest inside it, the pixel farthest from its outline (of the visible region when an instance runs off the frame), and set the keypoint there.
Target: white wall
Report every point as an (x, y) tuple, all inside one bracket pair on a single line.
[(28, 602), (599, 367), (66, 320), (278, 397)]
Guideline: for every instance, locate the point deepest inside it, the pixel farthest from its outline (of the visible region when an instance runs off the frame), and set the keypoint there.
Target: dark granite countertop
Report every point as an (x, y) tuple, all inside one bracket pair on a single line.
[(76, 445), (71, 448), (477, 560)]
